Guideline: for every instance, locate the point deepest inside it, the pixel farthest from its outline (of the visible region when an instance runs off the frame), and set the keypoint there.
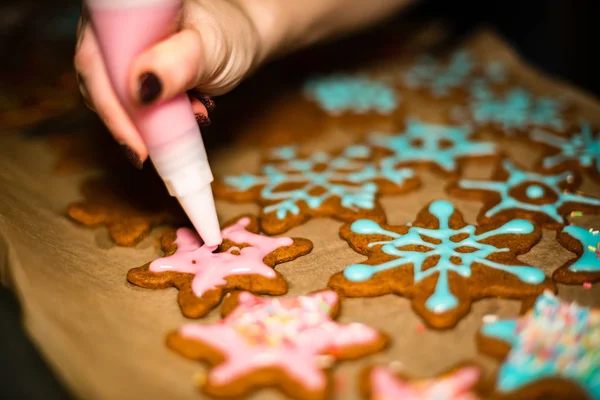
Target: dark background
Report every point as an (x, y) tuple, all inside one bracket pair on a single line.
[(558, 36)]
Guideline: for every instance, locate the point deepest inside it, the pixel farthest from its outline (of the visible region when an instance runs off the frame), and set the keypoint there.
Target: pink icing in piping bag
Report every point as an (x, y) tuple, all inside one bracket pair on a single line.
[(125, 29), (211, 269)]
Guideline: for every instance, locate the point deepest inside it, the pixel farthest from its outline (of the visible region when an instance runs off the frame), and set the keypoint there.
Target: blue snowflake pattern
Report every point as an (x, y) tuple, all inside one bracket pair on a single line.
[(340, 93), (537, 187), (288, 167), (441, 145)]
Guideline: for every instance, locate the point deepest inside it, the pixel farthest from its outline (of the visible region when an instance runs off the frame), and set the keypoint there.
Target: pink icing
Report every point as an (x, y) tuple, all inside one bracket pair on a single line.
[(457, 386), (211, 269), (290, 333)]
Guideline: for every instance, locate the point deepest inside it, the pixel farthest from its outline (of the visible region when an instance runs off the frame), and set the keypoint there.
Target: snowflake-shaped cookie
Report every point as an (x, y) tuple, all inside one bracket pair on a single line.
[(244, 261), (293, 188), (581, 149), (128, 208), (586, 244), (275, 342), (440, 146), (459, 384), (515, 111), (441, 79), (515, 193), (554, 351), (339, 93), (441, 263)]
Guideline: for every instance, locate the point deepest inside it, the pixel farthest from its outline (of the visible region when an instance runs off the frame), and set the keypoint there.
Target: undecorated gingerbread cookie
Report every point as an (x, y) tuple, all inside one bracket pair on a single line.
[(513, 192), (293, 187), (441, 263), (287, 343), (244, 261), (552, 352), (586, 266)]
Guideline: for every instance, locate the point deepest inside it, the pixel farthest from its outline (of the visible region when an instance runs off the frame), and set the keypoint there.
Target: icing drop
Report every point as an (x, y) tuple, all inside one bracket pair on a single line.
[(339, 93), (442, 145), (517, 177), (456, 386), (534, 191), (290, 334), (582, 147), (588, 261), (358, 194), (442, 299), (555, 339), (210, 269)]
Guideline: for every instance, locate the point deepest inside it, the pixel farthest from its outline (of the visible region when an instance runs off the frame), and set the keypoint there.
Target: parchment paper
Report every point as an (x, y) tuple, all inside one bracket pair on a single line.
[(105, 338)]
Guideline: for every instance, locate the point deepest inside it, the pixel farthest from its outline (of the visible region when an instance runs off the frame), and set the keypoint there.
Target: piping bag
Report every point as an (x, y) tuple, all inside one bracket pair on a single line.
[(124, 29)]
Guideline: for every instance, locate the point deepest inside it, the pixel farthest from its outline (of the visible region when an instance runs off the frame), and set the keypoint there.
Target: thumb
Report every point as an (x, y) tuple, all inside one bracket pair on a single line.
[(168, 69)]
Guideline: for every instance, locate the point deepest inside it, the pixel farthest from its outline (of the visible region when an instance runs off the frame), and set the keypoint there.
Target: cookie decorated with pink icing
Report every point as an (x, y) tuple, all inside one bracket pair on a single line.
[(383, 383), (441, 263), (294, 186), (244, 261), (286, 343), (551, 352)]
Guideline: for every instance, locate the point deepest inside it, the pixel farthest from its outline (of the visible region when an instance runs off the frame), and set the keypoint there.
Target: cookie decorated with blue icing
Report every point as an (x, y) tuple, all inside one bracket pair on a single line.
[(552, 352), (441, 263), (442, 78), (514, 192), (585, 243), (355, 102), (580, 150), (442, 147), (293, 187), (513, 111)]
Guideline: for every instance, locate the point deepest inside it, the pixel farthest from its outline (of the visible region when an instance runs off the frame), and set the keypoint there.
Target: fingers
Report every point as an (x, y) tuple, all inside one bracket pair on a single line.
[(168, 69), (98, 91)]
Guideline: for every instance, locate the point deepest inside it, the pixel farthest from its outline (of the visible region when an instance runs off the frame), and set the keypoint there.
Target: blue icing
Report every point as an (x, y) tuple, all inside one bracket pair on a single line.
[(288, 167), (588, 261), (555, 339), (517, 177), (340, 93), (517, 109), (442, 299), (534, 191), (582, 147), (442, 145)]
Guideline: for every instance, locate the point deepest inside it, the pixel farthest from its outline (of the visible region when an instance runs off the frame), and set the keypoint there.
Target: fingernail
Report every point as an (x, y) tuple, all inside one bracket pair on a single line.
[(208, 102), (202, 119), (132, 156), (150, 88)]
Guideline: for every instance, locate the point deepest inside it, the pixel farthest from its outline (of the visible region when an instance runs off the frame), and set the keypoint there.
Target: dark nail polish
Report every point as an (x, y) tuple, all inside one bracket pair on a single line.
[(208, 102), (202, 120), (150, 88), (132, 156)]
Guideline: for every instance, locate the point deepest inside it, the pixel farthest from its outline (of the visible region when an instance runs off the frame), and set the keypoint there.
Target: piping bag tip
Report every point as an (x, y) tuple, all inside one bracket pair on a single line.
[(200, 209)]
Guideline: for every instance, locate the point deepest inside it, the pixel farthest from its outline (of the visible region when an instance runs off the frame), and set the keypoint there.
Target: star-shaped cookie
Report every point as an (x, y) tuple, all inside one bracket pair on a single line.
[(244, 261), (281, 342), (441, 263)]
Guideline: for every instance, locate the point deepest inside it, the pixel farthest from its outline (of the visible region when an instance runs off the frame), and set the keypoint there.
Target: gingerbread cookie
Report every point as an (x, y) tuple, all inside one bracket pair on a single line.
[(441, 263), (513, 192), (383, 383), (513, 111), (294, 187), (439, 78), (552, 352), (355, 102), (128, 208), (285, 343), (244, 261), (579, 150), (586, 267), (443, 147)]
